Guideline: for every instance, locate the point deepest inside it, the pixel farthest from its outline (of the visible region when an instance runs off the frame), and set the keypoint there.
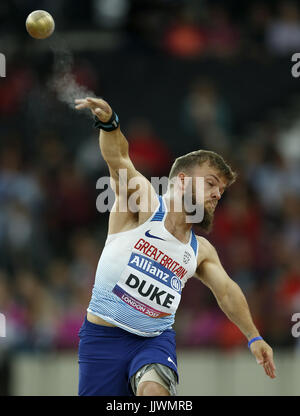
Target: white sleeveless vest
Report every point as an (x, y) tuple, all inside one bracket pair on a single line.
[(140, 276)]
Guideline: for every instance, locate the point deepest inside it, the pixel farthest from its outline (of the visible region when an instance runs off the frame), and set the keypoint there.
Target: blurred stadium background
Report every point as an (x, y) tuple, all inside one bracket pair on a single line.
[(182, 75)]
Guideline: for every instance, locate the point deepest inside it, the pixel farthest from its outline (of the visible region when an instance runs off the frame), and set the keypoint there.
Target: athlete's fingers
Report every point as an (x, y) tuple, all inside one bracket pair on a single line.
[(266, 368), (97, 106), (270, 368), (86, 100), (268, 358), (264, 365), (102, 115), (83, 105), (97, 102), (96, 111), (93, 99), (268, 364)]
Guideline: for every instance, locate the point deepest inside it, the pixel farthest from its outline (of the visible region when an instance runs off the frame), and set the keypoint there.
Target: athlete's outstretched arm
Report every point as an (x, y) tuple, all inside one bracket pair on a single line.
[(114, 149), (113, 144), (233, 303)]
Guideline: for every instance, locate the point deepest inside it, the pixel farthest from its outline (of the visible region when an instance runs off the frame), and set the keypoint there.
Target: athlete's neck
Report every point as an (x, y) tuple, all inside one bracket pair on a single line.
[(175, 221)]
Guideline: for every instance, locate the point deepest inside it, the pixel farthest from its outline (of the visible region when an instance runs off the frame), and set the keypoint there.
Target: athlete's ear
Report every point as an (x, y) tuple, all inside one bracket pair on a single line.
[(181, 180), (184, 181)]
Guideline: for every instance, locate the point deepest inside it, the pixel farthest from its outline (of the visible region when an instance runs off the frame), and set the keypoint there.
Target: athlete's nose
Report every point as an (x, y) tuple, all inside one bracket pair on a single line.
[(217, 194)]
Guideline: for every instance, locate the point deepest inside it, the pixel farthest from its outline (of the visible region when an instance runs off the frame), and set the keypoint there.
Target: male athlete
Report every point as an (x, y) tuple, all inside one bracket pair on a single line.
[(127, 344)]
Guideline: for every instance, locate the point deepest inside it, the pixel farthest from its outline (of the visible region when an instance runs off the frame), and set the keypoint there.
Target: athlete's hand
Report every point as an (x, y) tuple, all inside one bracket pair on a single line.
[(264, 356), (98, 107)]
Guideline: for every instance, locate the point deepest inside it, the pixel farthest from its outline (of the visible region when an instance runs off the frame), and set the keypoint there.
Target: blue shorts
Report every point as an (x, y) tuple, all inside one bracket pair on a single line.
[(109, 356)]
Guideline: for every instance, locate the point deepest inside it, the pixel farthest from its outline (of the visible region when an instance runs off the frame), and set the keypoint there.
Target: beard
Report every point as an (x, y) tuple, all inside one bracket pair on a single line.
[(206, 224)]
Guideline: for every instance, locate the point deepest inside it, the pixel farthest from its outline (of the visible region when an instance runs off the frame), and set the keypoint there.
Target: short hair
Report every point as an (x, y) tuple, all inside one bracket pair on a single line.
[(187, 162)]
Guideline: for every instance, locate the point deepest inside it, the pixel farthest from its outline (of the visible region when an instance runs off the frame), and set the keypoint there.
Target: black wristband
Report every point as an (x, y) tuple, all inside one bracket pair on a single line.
[(112, 124)]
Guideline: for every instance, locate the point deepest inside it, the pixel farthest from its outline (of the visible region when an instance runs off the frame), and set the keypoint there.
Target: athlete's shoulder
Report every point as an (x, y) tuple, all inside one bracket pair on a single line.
[(206, 249), (203, 242)]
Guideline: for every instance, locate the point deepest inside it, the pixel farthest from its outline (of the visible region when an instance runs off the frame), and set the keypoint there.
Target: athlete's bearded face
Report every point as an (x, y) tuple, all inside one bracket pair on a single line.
[(214, 186)]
